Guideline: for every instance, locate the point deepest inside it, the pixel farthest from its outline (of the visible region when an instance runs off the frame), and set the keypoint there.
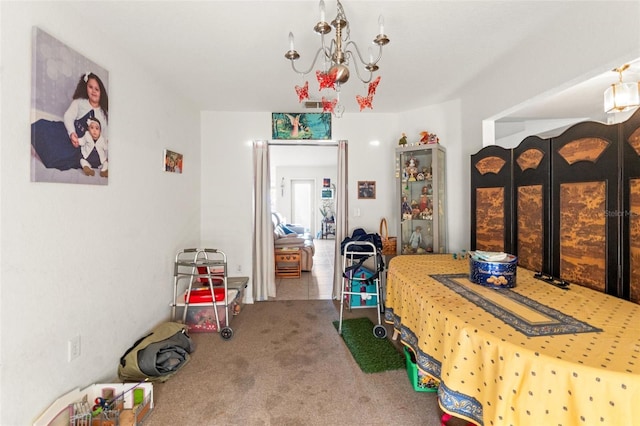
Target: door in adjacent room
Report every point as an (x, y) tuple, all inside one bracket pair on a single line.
[(302, 201)]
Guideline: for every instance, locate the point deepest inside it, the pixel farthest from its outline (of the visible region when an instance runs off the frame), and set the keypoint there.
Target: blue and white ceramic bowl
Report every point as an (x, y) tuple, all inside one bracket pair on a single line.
[(500, 274)]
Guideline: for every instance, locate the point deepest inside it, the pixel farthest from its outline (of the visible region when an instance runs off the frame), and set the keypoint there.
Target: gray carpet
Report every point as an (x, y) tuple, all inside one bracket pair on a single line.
[(287, 365)]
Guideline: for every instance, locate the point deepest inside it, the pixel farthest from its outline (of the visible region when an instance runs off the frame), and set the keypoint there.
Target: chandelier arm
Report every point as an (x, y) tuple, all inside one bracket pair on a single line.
[(313, 64), (349, 53), (355, 46)]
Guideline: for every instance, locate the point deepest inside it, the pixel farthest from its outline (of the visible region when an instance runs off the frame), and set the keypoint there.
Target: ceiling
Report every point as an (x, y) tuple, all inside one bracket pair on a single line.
[(583, 99), (229, 55)]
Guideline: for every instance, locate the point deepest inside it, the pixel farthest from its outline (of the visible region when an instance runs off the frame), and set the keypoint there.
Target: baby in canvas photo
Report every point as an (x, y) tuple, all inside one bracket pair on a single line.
[(93, 148)]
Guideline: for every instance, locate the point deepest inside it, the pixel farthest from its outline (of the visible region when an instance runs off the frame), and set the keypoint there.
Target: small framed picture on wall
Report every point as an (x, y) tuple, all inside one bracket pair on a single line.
[(172, 161), (326, 194), (367, 189)]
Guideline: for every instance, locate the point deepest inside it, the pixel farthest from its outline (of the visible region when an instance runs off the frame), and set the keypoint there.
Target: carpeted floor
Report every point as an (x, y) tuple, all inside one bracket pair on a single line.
[(287, 365)]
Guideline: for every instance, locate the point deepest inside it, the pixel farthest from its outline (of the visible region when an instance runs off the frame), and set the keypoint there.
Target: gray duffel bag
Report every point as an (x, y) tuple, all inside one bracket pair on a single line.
[(158, 355)]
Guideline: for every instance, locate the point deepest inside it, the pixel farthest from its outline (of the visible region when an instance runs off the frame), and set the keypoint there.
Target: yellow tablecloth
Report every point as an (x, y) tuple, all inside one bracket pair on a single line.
[(491, 373)]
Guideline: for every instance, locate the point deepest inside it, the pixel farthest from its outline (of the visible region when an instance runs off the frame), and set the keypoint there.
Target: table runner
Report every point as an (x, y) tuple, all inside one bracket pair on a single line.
[(526, 315)]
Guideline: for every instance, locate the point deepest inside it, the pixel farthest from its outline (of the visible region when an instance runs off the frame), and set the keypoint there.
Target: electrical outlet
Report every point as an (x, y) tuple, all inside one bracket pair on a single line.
[(239, 268), (74, 348)]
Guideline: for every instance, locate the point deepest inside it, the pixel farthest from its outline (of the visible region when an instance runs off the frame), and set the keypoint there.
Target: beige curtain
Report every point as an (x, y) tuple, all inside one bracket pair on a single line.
[(264, 283), (342, 213)]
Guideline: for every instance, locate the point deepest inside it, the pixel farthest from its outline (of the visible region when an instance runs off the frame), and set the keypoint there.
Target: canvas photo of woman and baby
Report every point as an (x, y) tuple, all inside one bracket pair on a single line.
[(69, 115)]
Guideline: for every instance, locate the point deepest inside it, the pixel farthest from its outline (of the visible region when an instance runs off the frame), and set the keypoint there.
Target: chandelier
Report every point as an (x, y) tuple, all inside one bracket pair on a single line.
[(337, 55), (620, 97)]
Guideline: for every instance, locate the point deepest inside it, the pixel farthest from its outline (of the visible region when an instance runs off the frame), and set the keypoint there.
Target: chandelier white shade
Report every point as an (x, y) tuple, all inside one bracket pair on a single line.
[(620, 97), (339, 56)]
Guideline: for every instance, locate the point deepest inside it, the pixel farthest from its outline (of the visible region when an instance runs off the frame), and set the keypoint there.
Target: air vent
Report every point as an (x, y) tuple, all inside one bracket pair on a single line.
[(313, 104)]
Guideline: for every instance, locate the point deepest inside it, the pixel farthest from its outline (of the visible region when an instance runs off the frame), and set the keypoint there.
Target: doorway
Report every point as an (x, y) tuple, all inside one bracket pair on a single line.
[(263, 278), (297, 177)]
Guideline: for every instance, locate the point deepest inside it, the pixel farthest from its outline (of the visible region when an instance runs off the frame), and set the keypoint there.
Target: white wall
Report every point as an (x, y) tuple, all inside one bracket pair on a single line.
[(511, 136), (227, 185), (368, 161), (94, 261)]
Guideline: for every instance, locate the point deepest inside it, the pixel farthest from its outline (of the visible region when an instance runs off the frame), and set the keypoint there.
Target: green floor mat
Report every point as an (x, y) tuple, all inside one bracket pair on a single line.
[(372, 354)]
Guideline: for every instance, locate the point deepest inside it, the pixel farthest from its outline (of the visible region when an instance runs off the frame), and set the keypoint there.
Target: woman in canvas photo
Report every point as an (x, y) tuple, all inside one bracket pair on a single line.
[(57, 143)]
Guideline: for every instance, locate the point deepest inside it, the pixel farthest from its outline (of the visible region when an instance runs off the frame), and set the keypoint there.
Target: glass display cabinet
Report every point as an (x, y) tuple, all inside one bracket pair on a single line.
[(420, 176)]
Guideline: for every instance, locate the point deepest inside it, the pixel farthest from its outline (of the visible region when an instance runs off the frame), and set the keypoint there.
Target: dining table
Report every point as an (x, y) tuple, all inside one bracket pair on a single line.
[(531, 354)]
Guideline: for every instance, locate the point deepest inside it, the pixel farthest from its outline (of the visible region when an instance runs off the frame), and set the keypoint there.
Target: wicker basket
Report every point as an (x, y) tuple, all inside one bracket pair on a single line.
[(389, 244)]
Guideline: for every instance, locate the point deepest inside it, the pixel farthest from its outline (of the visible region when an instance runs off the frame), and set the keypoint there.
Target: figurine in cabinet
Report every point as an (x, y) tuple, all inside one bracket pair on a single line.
[(412, 169), (426, 214), (415, 208), (427, 240), (423, 199), (406, 208), (416, 238)]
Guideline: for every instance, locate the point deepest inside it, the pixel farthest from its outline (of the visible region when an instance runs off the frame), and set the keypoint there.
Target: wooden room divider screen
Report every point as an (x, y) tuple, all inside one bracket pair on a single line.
[(567, 206)]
